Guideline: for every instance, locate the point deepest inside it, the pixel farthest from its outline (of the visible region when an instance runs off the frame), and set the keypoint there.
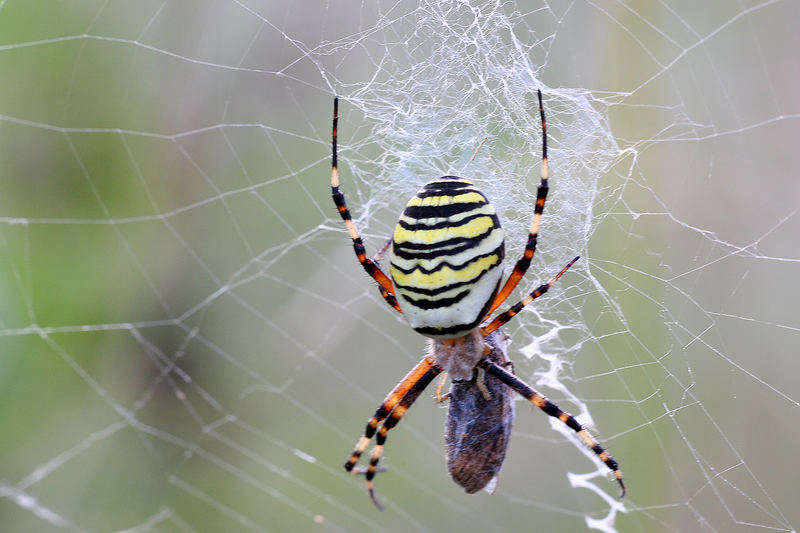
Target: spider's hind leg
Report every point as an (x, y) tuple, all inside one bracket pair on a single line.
[(533, 234), (370, 265)]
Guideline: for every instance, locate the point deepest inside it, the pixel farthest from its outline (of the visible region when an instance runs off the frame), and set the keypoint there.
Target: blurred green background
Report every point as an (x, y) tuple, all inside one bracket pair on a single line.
[(187, 343)]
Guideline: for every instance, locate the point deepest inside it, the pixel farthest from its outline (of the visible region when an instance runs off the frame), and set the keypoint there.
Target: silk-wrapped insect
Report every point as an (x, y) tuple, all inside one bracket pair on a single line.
[(479, 421)]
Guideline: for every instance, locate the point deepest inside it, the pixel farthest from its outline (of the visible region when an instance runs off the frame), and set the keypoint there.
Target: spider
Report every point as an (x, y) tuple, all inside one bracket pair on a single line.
[(446, 268)]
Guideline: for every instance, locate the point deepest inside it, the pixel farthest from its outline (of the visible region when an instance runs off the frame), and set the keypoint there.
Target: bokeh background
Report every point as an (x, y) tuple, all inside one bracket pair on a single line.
[(188, 344)]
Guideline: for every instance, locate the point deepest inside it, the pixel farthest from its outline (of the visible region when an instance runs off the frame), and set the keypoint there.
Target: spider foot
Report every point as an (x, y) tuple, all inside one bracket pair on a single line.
[(372, 496)]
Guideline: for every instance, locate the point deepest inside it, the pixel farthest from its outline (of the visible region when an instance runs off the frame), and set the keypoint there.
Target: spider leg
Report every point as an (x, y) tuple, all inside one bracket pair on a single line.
[(390, 298), (379, 254), (394, 418), (553, 410), (530, 248), (389, 403), (514, 309), (370, 265)]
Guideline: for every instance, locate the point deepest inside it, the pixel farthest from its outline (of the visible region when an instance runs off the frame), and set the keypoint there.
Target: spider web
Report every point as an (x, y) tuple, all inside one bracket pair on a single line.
[(188, 343)]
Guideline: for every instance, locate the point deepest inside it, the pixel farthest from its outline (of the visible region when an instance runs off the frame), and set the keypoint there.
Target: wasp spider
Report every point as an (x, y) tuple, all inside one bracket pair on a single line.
[(446, 268)]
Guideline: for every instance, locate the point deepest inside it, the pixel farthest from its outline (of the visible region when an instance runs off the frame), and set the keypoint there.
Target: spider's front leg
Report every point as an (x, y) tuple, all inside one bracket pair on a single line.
[(394, 407), (553, 410)]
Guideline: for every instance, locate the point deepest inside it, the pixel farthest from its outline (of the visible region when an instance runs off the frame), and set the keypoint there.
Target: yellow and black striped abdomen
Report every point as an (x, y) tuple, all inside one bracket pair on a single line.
[(446, 259)]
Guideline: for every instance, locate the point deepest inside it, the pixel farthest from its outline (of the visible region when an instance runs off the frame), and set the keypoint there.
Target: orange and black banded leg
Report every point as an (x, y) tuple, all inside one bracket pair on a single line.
[(394, 418), (514, 309), (553, 410), (530, 248), (370, 265), (389, 403)]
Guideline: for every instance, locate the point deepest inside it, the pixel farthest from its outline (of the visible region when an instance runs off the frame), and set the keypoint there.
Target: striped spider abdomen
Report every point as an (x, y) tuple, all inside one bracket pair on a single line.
[(447, 258)]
